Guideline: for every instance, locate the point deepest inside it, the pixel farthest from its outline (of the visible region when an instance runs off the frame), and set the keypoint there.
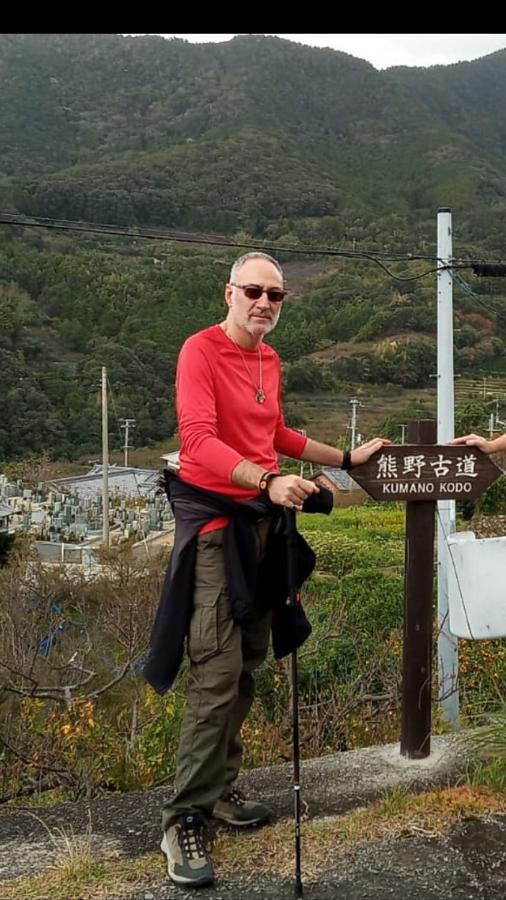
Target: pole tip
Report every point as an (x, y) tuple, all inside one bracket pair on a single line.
[(444, 209)]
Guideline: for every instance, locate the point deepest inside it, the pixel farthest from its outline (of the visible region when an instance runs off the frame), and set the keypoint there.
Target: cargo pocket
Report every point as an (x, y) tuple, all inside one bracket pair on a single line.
[(203, 633)]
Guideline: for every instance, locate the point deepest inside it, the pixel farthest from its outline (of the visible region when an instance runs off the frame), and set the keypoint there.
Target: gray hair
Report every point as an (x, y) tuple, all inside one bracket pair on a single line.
[(255, 254)]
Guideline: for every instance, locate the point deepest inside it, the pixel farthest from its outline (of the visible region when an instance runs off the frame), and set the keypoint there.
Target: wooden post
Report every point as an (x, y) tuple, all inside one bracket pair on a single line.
[(418, 602), (413, 473)]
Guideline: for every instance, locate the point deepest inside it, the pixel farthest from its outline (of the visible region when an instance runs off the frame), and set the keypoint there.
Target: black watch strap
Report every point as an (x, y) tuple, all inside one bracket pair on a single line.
[(346, 463), (265, 479)]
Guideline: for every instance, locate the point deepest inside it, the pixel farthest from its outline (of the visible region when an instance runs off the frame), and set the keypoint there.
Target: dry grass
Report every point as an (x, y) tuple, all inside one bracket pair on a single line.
[(105, 877), (82, 874), (270, 851)]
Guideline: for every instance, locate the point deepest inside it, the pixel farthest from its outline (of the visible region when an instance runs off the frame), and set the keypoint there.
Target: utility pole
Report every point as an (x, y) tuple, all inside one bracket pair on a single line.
[(494, 420), (301, 472), (126, 424), (105, 462), (448, 651), (354, 403)]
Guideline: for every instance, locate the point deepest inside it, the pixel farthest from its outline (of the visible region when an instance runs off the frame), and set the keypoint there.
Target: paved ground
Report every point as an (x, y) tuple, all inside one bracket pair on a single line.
[(468, 863)]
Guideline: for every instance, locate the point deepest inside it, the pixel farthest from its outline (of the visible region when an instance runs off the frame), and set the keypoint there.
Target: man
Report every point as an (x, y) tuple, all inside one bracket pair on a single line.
[(231, 428)]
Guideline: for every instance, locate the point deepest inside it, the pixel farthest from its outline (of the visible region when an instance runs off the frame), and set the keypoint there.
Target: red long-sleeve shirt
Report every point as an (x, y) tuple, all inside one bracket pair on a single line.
[(220, 421)]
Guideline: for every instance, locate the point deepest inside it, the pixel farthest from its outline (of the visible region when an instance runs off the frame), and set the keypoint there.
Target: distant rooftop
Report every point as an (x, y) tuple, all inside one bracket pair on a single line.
[(339, 478), (124, 481), (171, 460)]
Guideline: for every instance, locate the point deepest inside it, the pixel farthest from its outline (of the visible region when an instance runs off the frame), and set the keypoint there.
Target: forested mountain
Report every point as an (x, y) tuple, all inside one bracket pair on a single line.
[(255, 139)]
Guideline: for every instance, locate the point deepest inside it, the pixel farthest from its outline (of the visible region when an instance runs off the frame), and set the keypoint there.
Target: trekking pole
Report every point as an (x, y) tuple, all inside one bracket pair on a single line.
[(292, 600)]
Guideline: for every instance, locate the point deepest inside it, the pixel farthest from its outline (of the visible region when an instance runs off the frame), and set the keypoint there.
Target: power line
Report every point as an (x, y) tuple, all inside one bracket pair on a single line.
[(464, 285), (490, 309), (477, 297), (187, 238), (155, 232), (480, 268)]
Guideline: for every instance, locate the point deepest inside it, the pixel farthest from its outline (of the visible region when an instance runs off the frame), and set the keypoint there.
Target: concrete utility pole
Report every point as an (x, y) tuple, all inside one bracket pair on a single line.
[(302, 464), (494, 420), (126, 424), (354, 403), (105, 461), (448, 651)]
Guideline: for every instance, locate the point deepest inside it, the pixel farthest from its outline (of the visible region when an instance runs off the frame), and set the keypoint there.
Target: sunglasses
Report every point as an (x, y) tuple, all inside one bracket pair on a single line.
[(254, 292)]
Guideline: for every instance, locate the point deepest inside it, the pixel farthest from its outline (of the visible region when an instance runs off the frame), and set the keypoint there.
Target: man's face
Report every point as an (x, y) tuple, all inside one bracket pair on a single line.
[(256, 316)]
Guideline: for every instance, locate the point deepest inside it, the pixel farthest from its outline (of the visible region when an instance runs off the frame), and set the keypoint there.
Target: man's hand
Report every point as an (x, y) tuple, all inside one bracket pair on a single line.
[(361, 454), (475, 440), (290, 490)]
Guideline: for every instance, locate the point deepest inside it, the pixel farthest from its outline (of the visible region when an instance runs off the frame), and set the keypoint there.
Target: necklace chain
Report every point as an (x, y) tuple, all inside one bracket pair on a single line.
[(260, 393)]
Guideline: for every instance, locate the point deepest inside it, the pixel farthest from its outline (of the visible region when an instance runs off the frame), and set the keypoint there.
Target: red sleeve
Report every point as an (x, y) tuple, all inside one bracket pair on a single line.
[(286, 440), (289, 442), (196, 411)]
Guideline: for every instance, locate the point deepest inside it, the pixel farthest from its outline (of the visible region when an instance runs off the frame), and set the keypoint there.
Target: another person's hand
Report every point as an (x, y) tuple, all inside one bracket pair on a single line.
[(361, 454), (291, 490), (474, 440)]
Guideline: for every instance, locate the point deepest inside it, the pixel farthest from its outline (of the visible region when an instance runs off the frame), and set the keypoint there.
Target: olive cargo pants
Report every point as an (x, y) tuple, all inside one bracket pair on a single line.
[(223, 656)]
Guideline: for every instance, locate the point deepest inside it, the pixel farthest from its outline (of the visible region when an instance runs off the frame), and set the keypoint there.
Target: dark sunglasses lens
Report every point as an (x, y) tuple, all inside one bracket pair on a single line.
[(253, 293)]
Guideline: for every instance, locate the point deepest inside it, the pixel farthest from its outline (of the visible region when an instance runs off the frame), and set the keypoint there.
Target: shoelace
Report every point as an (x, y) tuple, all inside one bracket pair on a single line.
[(234, 796), (191, 837)]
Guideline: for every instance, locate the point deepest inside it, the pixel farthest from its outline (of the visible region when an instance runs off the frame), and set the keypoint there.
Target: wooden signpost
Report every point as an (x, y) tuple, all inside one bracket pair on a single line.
[(420, 473)]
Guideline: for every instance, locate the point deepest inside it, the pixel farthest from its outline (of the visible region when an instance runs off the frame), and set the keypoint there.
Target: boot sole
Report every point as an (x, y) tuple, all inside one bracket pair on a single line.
[(261, 820)]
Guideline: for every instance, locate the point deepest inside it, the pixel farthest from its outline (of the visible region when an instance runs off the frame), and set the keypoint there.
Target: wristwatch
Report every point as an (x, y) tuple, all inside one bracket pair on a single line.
[(346, 463), (265, 479)]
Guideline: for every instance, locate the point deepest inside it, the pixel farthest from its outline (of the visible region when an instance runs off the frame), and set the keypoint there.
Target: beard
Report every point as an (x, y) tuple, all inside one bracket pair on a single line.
[(254, 326)]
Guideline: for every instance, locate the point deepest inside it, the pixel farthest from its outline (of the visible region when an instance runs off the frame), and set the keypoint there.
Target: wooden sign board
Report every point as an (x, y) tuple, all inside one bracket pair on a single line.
[(430, 472)]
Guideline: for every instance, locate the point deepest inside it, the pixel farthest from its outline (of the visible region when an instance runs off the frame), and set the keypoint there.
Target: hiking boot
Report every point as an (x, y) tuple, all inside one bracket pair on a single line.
[(233, 808), (184, 844)]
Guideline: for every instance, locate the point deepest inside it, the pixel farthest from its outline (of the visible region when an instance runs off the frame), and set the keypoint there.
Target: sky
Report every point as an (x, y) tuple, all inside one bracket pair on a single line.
[(384, 50)]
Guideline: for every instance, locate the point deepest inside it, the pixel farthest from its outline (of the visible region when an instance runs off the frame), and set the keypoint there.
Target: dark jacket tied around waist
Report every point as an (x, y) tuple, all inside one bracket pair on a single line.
[(251, 585)]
